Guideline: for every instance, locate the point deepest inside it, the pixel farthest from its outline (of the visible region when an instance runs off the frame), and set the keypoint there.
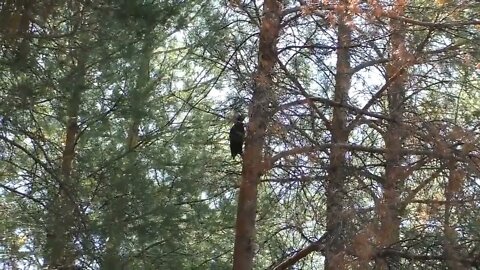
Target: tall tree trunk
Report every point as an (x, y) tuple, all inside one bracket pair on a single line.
[(334, 255), (259, 116), (63, 212), (453, 184), (389, 213)]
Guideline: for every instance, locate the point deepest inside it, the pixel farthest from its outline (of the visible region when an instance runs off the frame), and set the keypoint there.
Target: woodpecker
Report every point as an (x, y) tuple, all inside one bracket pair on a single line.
[(237, 136)]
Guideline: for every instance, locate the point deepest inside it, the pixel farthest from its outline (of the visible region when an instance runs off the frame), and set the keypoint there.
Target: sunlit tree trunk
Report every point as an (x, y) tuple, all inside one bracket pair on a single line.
[(389, 213), (259, 116), (63, 209), (335, 253)]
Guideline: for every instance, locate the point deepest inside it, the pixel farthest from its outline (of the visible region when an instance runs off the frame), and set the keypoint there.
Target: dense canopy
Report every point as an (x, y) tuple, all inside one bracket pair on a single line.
[(361, 146)]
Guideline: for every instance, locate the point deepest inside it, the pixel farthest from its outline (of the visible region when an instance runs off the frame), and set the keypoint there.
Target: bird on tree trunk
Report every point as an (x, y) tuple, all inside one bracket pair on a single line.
[(237, 136)]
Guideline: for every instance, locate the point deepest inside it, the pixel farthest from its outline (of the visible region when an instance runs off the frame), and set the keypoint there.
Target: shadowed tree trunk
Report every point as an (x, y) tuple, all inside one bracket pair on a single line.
[(454, 183), (334, 255), (389, 210), (259, 116), (63, 212)]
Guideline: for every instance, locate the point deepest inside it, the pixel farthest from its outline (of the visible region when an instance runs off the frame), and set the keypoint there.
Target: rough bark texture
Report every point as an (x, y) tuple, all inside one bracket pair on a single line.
[(449, 234), (334, 255), (389, 210), (253, 156), (63, 214)]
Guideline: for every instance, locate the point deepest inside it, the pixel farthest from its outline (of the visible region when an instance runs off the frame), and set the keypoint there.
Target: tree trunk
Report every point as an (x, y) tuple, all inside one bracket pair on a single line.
[(449, 234), (63, 212), (389, 210), (259, 116), (334, 255)]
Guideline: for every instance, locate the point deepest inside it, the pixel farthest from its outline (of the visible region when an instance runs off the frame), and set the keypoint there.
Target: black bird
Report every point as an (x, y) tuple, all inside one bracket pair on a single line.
[(237, 136)]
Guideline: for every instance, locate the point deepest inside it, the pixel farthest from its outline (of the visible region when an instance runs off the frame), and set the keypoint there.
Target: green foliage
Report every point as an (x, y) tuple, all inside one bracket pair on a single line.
[(151, 183)]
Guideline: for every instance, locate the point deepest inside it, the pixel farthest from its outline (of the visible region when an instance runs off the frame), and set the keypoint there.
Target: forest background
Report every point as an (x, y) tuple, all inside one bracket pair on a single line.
[(361, 149)]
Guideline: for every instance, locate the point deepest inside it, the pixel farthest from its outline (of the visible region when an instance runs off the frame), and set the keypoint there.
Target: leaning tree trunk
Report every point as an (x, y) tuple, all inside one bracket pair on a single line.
[(334, 255), (389, 211), (258, 119)]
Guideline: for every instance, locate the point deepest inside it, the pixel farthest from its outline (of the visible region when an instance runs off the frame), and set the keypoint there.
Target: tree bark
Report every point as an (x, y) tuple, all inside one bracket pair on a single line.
[(389, 209), (449, 234), (334, 254), (259, 116), (61, 230)]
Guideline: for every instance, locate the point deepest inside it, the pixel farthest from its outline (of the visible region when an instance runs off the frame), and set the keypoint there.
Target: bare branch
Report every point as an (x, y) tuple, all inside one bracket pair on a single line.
[(315, 246), (411, 195), (21, 194), (369, 64), (433, 24), (333, 104), (304, 93)]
